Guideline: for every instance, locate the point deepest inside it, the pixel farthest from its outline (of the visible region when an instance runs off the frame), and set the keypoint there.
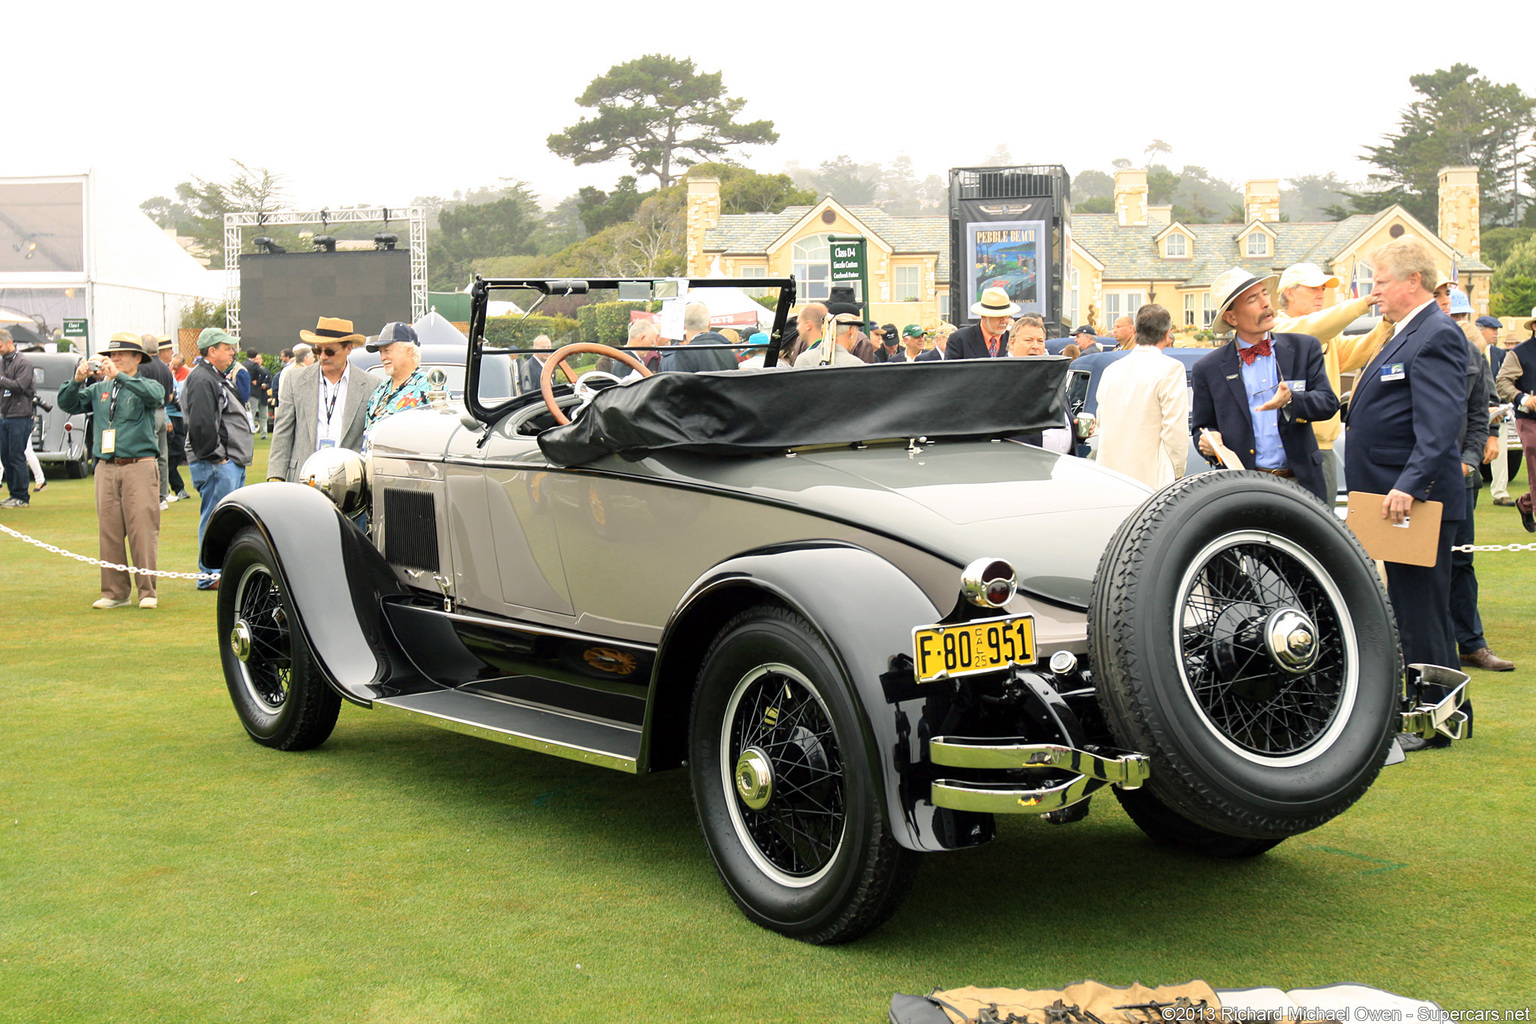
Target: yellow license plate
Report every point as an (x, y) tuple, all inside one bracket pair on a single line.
[(943, 652)]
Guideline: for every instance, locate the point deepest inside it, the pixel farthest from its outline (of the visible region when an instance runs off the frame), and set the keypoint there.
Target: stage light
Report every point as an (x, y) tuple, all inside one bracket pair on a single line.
[(324, 243), (267, 245), (384, 241)]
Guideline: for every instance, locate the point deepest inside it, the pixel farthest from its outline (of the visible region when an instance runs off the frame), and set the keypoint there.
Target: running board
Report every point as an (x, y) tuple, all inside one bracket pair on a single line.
[(593, 741)]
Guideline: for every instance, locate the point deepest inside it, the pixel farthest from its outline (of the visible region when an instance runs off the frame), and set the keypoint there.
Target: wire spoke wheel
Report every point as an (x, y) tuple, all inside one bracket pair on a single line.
[(1265, 645), (783, 778), (280, 694), (1242, 640), (267, 669), (774, 713)]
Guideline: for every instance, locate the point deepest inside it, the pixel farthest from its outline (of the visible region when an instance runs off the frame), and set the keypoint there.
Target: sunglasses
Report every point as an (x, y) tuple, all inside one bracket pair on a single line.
[(329, 350)]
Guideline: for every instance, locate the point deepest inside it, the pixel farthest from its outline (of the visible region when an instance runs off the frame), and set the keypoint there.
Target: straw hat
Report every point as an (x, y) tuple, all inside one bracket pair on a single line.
[(127, 342), (332, 328), (1232, 283), (994, 302)]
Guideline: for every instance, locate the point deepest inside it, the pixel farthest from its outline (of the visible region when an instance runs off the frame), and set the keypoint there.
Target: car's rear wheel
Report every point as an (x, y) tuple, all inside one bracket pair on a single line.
[(277, 689), (1242, 639), (783, 780)]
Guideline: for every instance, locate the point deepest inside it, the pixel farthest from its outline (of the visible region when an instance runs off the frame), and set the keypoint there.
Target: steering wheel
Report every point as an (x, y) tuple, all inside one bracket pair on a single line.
[(557, 360)]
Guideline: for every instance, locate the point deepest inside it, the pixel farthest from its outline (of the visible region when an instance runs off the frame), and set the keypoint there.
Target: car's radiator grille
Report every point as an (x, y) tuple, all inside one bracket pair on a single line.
[(410, 529)]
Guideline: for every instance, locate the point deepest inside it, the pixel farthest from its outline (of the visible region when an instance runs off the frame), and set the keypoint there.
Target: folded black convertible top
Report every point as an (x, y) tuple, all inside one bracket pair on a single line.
[(755, 412)]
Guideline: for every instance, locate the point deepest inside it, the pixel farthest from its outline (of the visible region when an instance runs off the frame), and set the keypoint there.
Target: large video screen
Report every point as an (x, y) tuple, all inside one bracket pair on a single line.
[(284, 293)]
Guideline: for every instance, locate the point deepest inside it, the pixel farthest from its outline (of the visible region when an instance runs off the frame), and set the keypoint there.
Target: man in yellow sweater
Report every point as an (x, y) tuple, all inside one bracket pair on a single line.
[(1301, 312)]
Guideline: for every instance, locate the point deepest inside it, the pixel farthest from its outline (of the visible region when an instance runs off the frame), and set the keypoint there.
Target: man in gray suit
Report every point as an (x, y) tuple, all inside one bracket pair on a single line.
[(324, 405)]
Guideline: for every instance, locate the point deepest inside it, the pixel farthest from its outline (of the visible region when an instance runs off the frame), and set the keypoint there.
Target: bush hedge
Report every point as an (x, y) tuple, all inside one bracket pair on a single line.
[(519, 332), (607, 323)]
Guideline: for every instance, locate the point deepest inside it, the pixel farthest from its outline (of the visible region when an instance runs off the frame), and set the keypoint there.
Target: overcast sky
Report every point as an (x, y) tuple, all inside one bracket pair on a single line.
[(378, 104)]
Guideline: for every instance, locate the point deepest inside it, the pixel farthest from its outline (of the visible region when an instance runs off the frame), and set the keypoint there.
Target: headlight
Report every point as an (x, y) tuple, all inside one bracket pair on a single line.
[(341, 475), (988, 582)]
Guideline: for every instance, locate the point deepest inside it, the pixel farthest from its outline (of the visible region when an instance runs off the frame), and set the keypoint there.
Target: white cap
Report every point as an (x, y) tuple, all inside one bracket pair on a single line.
[(1309, 274)]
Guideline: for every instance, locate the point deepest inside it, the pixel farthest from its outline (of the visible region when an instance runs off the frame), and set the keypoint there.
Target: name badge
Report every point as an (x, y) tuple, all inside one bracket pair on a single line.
[(326, 442), (1296, 385), (108, 441), (1393, 371)]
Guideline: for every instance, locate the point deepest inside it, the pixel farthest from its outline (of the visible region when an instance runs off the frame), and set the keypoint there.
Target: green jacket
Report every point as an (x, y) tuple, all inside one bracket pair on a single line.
[(131, 415)]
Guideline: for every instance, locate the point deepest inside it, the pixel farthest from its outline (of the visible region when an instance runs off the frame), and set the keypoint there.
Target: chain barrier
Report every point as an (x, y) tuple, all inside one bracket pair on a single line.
[(1494, 547), (167, 573)]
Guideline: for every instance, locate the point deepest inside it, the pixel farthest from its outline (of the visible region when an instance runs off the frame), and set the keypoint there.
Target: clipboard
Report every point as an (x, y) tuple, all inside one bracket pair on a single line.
[(1416, 542), (1227, 456)]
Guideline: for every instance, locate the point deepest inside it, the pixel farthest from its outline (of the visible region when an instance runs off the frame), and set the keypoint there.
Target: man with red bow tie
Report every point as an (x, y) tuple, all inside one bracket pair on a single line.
[(1260, 392)]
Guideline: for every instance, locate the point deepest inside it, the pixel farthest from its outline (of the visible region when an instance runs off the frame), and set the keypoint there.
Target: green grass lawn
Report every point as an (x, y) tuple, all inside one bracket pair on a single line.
[(156, 865)]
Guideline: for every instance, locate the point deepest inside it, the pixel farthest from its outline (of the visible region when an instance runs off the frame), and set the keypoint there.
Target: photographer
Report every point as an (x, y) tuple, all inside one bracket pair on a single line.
[(16, 393), (123, 404)]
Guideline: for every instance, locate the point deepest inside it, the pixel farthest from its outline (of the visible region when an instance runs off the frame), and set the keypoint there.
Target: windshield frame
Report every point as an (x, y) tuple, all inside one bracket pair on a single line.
[(483, 288)]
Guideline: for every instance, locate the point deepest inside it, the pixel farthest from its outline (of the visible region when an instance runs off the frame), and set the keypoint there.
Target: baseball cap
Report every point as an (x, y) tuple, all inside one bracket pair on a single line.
[(1309, 274), (212, 336), (391, 333), (1085, 329), (912, 331)]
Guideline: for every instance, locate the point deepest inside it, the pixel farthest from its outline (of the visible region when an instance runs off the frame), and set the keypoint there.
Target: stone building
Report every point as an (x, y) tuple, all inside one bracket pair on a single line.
[(1120, 260), (908, 256), (1139, 253)]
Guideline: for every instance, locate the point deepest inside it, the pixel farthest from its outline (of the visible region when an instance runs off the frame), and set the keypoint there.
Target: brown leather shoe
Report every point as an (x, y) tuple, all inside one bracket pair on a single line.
[(1485, 659)]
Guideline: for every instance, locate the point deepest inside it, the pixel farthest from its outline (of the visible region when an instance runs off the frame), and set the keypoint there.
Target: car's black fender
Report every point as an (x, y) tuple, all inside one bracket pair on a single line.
[(336, 578), (864, 608)]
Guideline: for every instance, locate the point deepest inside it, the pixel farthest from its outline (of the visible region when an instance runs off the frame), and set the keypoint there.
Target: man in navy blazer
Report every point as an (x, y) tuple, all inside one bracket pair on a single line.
[(1404, 427), (1259, 393), (988, 338)]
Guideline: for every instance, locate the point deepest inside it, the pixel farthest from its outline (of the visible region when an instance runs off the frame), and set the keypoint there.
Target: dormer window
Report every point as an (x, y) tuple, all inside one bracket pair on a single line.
[(1256, 245), (1176, 246)]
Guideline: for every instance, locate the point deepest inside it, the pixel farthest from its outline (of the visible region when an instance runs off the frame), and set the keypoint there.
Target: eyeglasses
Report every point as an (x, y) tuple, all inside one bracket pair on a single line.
[(329, 350)]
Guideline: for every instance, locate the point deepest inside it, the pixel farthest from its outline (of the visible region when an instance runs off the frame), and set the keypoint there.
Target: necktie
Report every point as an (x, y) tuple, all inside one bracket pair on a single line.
[(1252, 352), (992, 347)]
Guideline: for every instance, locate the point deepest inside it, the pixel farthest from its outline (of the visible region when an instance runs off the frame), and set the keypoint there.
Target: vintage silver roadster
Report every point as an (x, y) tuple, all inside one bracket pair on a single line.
[(863, 617)]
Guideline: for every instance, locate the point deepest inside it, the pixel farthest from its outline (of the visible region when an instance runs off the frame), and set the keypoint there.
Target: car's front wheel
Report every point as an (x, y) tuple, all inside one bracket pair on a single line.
[(277, 689), (782, 776)]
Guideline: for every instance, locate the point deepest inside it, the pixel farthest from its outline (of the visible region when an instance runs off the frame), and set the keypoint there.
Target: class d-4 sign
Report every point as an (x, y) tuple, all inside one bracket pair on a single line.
[(847, 261)]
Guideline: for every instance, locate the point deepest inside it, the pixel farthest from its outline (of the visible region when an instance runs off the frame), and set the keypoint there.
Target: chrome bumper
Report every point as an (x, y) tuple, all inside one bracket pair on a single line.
[(1090, 772), (1429, 716)]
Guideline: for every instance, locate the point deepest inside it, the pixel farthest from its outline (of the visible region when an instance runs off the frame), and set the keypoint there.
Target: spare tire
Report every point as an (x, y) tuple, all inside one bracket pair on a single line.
[(1241, 638)]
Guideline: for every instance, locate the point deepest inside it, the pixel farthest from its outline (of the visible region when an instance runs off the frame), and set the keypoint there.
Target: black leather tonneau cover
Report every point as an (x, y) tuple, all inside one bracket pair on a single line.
[(754, 412)]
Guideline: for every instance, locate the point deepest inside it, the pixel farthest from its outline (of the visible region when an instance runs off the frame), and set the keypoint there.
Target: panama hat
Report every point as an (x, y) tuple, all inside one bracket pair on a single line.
[(127, 342), (1531, 323), (332, 328), (994, 302), (1229, 285)]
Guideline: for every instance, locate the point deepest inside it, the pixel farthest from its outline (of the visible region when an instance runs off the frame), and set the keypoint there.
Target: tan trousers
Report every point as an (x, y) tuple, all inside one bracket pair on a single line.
[(128, 508)]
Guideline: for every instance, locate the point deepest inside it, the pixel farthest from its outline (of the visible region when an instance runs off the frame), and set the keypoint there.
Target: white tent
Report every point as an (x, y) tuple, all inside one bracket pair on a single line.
[(74, 247), (436, 329), (728, 307)]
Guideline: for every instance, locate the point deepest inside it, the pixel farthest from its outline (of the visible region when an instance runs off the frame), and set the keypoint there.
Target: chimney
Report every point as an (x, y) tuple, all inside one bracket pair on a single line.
[(1459, 224), (1261, 200), (703, 209), (1161, 216), (1131, 197)]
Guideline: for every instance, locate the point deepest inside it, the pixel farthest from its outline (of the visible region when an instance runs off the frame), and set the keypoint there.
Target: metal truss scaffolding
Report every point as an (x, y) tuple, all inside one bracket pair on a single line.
[(236, 223)]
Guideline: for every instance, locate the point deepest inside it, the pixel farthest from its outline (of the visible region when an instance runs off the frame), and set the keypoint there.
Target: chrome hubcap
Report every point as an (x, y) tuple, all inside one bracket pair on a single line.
[(1291, 640), (240, 640), (754, 778)]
